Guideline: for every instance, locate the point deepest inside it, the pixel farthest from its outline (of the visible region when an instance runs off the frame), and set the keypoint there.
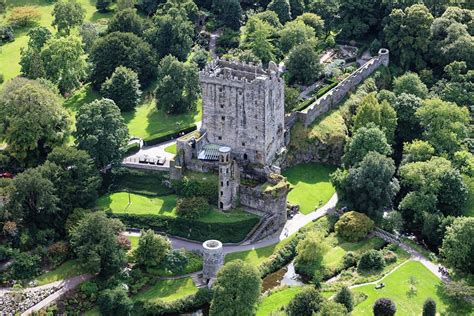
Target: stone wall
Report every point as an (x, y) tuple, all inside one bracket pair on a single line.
[(336, 94)]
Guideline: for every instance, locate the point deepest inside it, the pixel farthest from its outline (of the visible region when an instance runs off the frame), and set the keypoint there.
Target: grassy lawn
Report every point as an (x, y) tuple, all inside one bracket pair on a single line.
[(148, 121), (66, 270), (311, 186), (167, 290), (140, 204), (171, 149), (398, 289), (277, 300), (10, 52)]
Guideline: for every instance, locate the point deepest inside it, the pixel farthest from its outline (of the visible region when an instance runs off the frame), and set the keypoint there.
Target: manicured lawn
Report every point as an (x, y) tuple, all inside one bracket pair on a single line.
[(397, 288), (66, 270), (171, 149), (10, 52), (140, 204), (162, 205), (167, 290), (311, 185), (134, 241), (277, 300), (148, 121)]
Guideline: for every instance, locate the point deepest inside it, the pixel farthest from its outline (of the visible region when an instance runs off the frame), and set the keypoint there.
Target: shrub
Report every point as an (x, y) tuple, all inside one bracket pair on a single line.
[(429, 307), (390, 257), (115, 302), (371, 260), (307, 302), (344, 297), (23, 16), (191, 188), (229, 39), (192, 207), (349, 259), (354, 226), (176, 260), (137, 280), (5, 252), (384, 307), (6, 34), (90, 289), (152, 249), (58, 252), (124, 242), (25, 266)]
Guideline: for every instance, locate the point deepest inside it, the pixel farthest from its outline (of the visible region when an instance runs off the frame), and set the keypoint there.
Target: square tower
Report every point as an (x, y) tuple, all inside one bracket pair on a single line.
[(243, 108)]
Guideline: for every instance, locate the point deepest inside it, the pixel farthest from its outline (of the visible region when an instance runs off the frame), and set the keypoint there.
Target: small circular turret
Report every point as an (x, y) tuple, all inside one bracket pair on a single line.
[(213, 258)]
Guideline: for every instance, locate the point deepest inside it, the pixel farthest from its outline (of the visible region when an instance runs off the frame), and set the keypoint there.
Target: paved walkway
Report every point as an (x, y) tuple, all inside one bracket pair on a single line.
[(213, 42), (153, 152), (291, 227)]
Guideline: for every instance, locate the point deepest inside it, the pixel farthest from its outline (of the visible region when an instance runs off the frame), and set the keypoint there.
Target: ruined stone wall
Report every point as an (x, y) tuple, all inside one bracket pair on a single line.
[(243, 108), (335, 95)]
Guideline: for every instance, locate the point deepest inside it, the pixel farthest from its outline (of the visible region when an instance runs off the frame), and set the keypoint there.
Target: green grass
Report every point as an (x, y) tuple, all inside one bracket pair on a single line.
[(148, 121), (10, 52), (171, 149), (311, 185), (397, 288), (167, 290), (133, 241), (422, 250), (469, 208), (140, 204), (145, 182), (277, 300), (66, 270), (162, 205)]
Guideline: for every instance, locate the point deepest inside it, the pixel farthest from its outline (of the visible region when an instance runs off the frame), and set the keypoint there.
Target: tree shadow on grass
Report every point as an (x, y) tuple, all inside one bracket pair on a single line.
[(169, 203)]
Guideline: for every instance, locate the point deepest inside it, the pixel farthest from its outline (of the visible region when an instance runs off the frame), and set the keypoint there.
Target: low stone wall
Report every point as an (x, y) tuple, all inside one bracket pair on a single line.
[(17, 301), (336, 94)]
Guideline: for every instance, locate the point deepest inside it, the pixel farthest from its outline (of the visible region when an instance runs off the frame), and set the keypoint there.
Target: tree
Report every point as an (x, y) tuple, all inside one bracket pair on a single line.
[(122, 49), (445, 125), (384, 307), (178, 87), (327, 10), (171, 35), (370, 186), (126, 4), (291, 98), (464, 162), (434, 229), (151, 250), (458, 244), (67, 15), (126, 21), (64, 63), (31, 64), (269, 17), (305, 303), (354, 226), (331, 308), (236, 290), (95, 241), (369, 138), (25, 266), (295, 33), (281, 8), (115, 302), (344, 297), (229, 13), (103, 5), (417, 150), (192, 207), (89, 34), (429, 307), (296, 7), (313, 20), (33, 120), (258, 39), (358, 17), (303, 64), (408, 125), (73, 173), (310, 252), (380, 114), (123, 87), (148, 6), (23, 16), (371, 260), (101, 131), (457, 87), (410, 83), (459, 291), (407, 33)]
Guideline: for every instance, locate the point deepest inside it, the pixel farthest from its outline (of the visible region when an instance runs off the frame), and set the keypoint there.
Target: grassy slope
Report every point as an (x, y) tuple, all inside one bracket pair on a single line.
[(171, 149), (66, 270), (167, 290), (397, 288), (277, 300), (311, 185)]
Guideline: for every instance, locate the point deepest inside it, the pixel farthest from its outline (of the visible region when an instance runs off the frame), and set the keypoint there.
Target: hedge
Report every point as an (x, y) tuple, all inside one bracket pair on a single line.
[(190, 229), (156, 139), (183, 305), (326, 89), (131, 149), (303, 105)]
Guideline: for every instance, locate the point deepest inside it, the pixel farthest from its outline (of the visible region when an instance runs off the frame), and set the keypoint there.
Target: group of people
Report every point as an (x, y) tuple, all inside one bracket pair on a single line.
[(443, 271)]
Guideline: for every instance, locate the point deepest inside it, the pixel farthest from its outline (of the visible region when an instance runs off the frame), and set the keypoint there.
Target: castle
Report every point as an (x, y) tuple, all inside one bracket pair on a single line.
[(241, 136)]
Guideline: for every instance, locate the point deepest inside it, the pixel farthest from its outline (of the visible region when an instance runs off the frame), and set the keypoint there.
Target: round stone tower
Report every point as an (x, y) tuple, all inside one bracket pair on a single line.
[(213, 258), (225, 179), (384, 56)]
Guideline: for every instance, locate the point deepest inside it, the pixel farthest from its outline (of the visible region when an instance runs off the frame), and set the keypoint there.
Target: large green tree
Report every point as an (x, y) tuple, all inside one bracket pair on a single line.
[(310, 252), (95, 241), (178, 85), (67, 15), (257, 36), (115, 301), (33, 120), (410, 83), (236, 290), (296, 33), (359, 17), (31, 64), (123, 87), (281, 8), (101, 131), (303, 64), (407, 33), (122, 49), (458, 244), (127, 21), (152, 249), (408, 125), (229, 13), (305, 303)]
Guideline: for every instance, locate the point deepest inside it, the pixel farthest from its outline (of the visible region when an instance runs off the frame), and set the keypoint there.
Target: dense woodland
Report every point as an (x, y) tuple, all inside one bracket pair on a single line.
[(407, 164)]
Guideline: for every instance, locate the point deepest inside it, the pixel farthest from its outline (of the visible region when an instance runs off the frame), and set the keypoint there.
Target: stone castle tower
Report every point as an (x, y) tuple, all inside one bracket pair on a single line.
[(228, 179), (243, 108)]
